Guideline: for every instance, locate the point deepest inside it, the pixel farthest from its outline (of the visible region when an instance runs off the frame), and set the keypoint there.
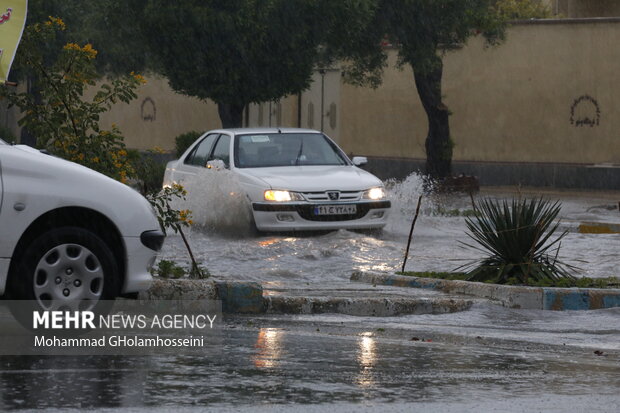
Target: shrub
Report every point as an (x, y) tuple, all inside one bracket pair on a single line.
[(168, 269), (436, 275), (183, 141), (522, 9), (517, 235), (148, 170), (6, 134)]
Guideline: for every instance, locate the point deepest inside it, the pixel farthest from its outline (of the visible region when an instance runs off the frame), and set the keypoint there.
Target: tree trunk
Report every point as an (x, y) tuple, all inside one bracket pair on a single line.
[(231, 114), (438, 143)]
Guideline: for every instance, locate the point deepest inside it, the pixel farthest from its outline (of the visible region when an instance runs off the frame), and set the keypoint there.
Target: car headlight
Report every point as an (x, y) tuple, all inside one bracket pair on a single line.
[(282, 196), (374, 193)]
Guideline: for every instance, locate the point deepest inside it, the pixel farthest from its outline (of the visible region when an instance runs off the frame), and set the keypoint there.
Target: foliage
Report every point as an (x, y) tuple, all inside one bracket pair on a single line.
[(39, 12), (108, 25), (168, 216), (584, 282), (437, 275), (518, 238), (148, 170), (237, 52), (111, 26), (198, 272), (6, 134), (522, 9), (168, 269), (171, 218), (422, 31), (183, 141), (64, 122)]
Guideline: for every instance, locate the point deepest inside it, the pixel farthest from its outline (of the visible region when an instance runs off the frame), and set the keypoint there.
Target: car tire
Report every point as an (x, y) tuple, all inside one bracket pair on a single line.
[(67, 268)]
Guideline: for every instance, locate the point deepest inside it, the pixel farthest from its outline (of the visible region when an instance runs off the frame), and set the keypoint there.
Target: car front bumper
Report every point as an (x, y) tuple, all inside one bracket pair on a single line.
[(140, 259), (300, 216)]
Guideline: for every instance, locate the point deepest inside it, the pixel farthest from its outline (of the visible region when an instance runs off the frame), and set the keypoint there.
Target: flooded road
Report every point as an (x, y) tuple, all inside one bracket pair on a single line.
[(229, 250)]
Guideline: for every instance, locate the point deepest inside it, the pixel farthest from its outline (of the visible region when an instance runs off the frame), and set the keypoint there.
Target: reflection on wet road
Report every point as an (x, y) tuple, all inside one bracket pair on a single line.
[(259, 364)]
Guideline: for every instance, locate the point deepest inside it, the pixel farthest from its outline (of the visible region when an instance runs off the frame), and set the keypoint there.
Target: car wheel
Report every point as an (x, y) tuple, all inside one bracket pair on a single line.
[(68, 269)]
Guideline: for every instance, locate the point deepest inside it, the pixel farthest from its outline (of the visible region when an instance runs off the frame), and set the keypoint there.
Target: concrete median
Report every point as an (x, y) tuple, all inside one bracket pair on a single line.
[(537, 298), (376, 307), (240, 297)]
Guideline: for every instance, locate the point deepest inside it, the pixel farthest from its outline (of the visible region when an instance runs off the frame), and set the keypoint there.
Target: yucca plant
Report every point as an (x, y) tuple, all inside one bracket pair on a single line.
[(518, 236)]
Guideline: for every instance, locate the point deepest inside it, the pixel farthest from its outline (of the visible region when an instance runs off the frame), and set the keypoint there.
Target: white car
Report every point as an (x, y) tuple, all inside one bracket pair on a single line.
[(295, 179), (69, 236)]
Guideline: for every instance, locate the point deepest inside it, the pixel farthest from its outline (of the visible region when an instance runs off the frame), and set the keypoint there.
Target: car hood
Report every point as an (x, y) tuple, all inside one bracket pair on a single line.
[(308, 178), (46, 182)]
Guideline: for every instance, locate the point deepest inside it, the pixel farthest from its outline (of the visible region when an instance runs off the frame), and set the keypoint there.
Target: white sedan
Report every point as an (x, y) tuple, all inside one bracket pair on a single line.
[(295, 179), (70, 237)]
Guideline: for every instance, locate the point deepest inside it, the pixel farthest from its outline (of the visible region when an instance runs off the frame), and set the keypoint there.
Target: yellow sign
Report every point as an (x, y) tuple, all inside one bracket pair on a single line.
[(12, 22)]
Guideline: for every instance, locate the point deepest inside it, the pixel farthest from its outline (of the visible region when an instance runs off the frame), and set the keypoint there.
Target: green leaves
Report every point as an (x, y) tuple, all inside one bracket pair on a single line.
[(517, 235), (422, 30), (58, 114), (168, 216), (234, 52), (522, 9)]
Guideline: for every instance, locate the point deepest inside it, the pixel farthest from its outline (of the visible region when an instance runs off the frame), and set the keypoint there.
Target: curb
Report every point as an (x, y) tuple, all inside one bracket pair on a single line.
[(533, 298), (248, 298), (375, 307), (599, 228), (236, 297)]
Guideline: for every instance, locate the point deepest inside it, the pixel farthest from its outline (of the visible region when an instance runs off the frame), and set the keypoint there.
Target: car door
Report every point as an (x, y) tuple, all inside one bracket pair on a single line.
[(196, 159)]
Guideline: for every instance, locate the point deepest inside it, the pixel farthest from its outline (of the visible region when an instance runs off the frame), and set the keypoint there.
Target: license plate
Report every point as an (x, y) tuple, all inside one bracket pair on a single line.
[(335, 210)]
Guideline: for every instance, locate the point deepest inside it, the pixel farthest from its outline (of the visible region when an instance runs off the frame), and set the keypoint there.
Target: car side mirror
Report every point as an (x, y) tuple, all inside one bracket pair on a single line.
[(359, 160), (216, 164)]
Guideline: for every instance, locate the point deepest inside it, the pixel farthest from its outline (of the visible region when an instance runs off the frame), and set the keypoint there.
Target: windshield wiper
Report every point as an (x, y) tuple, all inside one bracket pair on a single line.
[(301, 149)]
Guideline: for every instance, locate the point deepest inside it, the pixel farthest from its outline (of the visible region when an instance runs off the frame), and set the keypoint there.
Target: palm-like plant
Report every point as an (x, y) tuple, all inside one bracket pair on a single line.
[(518, 236)]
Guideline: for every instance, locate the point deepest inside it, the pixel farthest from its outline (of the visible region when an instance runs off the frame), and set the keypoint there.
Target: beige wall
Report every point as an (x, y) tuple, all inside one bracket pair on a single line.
[(282, 112), (155, 118), (323, 94), (158, 115), (510, 103)]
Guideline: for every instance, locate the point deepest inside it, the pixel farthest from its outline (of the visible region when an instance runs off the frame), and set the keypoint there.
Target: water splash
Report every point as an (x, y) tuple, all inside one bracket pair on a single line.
[(404, 196), (219, 203)]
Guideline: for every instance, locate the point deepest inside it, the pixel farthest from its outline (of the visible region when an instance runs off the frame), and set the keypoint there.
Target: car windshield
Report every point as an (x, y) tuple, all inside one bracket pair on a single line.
[(286, 149)]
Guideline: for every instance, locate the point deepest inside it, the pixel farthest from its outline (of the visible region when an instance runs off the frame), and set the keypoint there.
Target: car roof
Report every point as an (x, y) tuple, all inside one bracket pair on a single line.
[(245, 131)]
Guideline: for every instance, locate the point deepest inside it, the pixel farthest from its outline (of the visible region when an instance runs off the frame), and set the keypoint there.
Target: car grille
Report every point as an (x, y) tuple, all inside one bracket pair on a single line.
[(323, 196)]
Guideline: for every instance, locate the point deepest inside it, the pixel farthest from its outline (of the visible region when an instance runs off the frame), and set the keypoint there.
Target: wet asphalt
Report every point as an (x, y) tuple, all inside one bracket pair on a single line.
[(491, 359)]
